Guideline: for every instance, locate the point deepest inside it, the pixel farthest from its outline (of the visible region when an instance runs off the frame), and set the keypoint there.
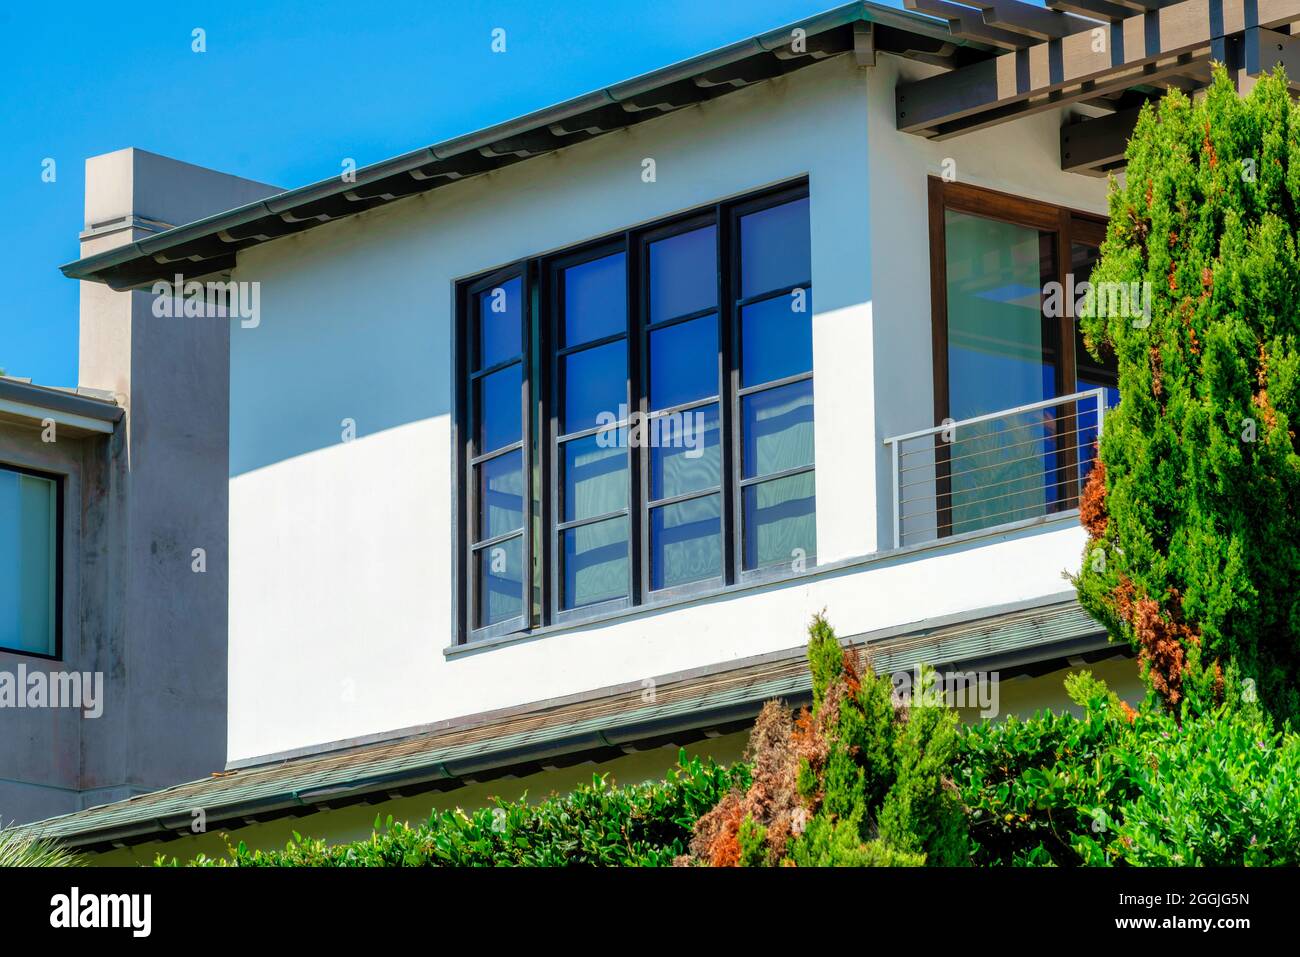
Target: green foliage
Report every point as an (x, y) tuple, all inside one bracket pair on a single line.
[(1035, 789), (871, 785), (828, 842), (1200, 458), (753, 843), (645, 825), (1220, 790), (21, 848), (922, 812), (1215, 789)]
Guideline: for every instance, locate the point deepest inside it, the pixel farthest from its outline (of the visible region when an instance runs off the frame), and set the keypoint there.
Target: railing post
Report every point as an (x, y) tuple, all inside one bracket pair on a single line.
[(1101, 413), (898, 506)]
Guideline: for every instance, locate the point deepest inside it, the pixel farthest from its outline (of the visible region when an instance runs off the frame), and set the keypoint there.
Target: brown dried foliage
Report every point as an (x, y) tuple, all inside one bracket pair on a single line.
[(1092, 503), (772, 799)]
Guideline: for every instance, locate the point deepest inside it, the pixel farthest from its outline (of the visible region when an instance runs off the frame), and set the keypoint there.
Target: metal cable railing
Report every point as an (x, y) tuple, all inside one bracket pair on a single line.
[(994, 469)]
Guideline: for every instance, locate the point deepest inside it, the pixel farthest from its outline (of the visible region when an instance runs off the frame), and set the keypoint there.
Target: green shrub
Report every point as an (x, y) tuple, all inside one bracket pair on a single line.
[(856, 781), (1138, 788), (599, 824)]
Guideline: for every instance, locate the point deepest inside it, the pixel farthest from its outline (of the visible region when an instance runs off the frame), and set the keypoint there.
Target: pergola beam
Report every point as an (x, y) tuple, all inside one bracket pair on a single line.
[(1096, 9), (965, 24), (1095, 147), (1080, 63), (1262, 50), (1036, 22)]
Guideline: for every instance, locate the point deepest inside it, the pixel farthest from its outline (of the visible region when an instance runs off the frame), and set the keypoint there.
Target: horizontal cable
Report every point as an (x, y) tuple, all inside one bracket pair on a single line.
[(993, 498)]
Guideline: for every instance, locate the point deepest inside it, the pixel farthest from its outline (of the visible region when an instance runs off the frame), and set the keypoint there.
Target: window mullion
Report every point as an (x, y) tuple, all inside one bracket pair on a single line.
[(638, 312), (729, 385)]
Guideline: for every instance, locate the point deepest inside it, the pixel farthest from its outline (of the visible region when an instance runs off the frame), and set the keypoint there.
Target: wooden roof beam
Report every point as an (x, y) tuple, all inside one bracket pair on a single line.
[(1096, 9), (1047, 70), (1096, 146), (1032, 21), (965, 24)]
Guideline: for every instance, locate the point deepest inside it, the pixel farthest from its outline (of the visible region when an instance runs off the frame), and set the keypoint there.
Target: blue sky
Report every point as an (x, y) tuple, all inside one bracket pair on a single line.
[(284, 92)]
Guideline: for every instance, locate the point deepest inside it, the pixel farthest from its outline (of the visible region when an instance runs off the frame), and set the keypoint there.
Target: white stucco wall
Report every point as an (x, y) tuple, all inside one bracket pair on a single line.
[(340, 553)]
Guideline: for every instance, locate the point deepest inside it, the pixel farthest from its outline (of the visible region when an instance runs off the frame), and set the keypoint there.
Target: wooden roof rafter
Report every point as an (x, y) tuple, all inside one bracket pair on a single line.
[(1106, 53)]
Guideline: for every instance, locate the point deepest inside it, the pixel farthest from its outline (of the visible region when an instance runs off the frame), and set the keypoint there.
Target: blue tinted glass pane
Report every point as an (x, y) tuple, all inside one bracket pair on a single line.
[(1087, 423), (684, 274), (781, 522), (778, 429), (595, 300), (1003, 469), (500, 574), (595, 382), (774, 248), (28, 555), (595, 475), (684, 452), (686, 542), (499, 312), (500, 495), (775, 339), (684, 362), (595, 563), (500, 408)]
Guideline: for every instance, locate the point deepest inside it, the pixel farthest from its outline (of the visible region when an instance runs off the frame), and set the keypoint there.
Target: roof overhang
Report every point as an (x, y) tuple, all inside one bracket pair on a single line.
[(1106, 57), (1031, 638), (210, 245), (78, 412)]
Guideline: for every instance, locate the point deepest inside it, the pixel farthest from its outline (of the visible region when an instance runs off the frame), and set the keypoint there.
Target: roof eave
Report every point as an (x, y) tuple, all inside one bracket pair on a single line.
[(99, 267)]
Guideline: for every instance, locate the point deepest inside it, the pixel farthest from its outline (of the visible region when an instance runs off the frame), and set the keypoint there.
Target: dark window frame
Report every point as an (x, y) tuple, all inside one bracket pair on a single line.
[(60, 481), (542, 396), (470, 457), (1068, 226), (738, 391)]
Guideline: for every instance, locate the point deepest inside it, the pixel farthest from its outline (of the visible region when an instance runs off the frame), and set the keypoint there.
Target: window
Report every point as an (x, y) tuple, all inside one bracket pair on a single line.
[(30, 508), (1001, 341), (635, 418)]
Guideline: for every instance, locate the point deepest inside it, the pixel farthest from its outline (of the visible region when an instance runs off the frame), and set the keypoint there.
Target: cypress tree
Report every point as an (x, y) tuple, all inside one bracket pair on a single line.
[(1192, 554)]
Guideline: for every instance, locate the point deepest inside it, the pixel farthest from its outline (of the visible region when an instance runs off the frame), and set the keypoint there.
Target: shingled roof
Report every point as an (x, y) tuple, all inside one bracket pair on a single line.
[(595, 727)]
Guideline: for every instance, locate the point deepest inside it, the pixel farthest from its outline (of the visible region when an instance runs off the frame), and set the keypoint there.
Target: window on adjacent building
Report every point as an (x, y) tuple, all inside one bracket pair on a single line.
[(29, 562), (636, 418)]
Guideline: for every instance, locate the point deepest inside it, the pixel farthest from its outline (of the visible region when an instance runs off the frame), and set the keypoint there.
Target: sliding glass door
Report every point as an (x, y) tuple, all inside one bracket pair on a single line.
[(1003, 341)]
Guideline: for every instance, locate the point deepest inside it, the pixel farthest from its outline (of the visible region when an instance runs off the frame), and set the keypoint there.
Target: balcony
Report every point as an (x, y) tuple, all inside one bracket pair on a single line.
[(994, 470)]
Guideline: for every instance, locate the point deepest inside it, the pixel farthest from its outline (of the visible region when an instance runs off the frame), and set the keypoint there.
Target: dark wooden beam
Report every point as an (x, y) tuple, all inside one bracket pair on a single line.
[(1032, 21), (965, 24), (1050, 71), (1262, 50), (1097, 146), (1144, 5), (1142, 76), (1096, 9)]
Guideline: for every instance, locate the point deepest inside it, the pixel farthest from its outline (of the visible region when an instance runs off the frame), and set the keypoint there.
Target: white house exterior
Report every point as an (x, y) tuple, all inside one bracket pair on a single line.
[(342, 607), (359, 437)]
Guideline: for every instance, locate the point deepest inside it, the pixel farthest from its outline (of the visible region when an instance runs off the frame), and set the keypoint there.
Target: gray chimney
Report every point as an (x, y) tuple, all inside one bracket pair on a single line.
[(162, 640)]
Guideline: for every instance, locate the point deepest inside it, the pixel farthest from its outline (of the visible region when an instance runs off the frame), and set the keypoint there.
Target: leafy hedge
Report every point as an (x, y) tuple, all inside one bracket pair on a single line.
[(645, 825), (1132, 787), (863, 780)]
